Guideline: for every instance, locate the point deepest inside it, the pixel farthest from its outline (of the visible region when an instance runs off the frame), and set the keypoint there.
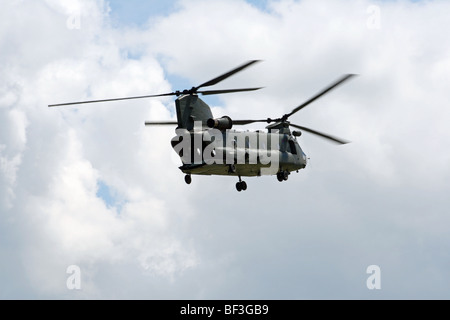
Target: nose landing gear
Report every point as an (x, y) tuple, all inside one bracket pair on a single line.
[(241, 185), (283, 176)]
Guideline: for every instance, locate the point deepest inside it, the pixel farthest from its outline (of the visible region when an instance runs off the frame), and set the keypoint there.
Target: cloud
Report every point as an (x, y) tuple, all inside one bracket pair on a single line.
[(50, 170), (380, 200)]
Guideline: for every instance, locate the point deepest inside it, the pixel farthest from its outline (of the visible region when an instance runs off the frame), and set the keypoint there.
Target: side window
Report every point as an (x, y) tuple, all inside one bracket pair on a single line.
[(292, 147)]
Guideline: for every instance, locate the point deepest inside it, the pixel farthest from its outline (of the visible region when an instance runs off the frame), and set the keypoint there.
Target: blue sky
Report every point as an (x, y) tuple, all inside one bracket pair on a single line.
[(137, 12)]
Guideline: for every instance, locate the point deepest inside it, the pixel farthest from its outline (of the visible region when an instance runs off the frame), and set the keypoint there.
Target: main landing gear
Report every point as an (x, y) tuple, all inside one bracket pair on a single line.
[(241, 185), (188, 179), (283, 176)]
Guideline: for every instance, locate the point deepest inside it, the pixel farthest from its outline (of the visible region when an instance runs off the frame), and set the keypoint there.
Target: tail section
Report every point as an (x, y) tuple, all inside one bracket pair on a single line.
[(191, 108)]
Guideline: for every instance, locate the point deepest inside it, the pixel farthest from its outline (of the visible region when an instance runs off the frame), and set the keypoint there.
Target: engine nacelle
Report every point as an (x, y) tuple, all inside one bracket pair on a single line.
[(221, 123)]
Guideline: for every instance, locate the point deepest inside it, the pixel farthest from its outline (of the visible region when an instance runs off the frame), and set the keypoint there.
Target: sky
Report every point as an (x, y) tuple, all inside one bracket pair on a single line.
[(93, 205)]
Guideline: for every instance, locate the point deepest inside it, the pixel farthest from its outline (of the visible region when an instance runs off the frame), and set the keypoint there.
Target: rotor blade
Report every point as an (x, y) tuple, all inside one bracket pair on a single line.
[(210, 92), (160, 123), (321, 93), (244, 122), (323, 135), (226, 75), (116, 99)]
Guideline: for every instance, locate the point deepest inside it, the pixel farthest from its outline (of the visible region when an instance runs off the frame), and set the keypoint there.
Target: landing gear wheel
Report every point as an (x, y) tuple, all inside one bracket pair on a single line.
[(280, 176), (241, 185), (188, 179)]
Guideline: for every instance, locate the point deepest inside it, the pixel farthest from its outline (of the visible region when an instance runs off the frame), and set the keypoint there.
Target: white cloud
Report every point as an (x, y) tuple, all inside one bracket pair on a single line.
[(378, 200)]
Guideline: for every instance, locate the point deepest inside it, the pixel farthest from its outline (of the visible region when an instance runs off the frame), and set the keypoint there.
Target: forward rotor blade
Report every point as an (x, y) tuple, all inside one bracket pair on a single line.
[(321, 93), (226, 75), (210, 92), (323, 135), (160, 123), (116, 99)]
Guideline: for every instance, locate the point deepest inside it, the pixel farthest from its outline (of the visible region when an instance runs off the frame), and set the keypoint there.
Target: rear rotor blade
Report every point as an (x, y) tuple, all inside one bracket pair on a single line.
[(160, 123), (244, 122), (321, 93), (226, 75), (320, 134), (116, 99), (210, 92)]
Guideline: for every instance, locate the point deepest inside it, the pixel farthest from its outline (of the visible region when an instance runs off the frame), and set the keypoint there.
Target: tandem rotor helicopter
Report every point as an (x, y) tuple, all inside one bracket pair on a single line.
[(208, 146)]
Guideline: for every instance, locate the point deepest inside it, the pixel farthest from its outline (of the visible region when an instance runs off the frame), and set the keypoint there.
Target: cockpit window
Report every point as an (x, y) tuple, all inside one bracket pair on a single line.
[(292, 147)]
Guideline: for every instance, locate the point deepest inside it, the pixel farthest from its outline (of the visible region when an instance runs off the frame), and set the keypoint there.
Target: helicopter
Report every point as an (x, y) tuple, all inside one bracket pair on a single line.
[(210, 146)]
